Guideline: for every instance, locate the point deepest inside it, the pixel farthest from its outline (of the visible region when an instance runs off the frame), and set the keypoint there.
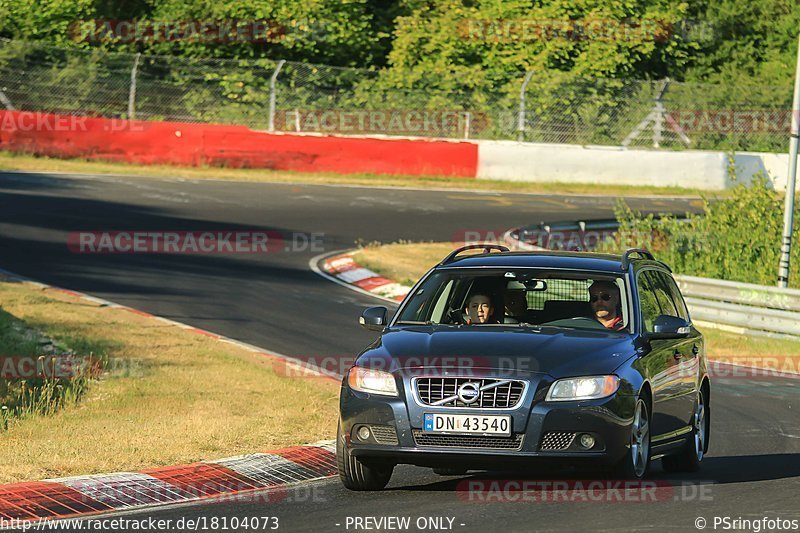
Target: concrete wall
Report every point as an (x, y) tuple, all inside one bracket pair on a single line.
[(532, 162)]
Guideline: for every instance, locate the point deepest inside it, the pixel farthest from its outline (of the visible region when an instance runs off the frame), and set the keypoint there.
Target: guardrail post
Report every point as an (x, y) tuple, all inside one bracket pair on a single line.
[(272, 88), (132, 91), (788, 212)]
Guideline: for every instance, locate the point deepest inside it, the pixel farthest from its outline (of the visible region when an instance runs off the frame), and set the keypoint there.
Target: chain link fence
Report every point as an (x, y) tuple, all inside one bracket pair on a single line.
[(263, 94)]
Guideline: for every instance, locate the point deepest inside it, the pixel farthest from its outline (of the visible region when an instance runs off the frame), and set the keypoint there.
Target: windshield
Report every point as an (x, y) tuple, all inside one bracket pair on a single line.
[(522, 297)]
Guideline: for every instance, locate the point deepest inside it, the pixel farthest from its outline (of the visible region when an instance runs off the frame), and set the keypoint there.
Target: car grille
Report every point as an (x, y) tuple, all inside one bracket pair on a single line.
[(468, 441), (557, 441), (507, 395), (384, 434)]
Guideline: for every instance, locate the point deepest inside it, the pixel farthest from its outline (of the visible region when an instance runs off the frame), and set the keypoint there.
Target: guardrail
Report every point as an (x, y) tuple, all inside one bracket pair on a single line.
[(752, 309)]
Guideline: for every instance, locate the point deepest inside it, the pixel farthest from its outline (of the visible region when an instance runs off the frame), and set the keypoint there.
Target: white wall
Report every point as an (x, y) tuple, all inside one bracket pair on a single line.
[(514, 161)]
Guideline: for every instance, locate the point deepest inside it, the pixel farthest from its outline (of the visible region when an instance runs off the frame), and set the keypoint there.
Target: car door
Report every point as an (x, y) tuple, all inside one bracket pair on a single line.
[(691, 349), (661, 363)]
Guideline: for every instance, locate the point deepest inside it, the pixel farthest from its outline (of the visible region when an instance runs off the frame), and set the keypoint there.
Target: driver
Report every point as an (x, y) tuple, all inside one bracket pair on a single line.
[(605, 301), (479, 309)]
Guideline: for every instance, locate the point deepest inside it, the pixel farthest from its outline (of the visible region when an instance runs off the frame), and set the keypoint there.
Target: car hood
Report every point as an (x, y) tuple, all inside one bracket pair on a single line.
[(557, 352)]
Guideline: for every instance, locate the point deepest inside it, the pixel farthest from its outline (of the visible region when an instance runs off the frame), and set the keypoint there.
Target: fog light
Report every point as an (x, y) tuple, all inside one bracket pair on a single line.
[(363, 433), (587, 441)]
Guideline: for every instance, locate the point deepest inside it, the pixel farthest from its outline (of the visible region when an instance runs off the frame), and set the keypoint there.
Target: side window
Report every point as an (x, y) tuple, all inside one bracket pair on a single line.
[(647, 302), (677, 297), (659, 285)]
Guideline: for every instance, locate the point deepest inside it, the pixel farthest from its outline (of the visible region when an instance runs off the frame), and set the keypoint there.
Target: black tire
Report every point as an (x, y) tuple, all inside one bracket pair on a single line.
[(690, 457), (637, 459), (354, 473)]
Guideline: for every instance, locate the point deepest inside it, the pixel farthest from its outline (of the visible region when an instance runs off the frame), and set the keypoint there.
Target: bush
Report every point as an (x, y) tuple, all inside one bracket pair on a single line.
[(737, 238)]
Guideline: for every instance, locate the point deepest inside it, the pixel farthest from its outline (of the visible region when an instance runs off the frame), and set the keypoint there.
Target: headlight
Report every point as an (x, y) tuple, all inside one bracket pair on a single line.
[(588, 388), (372, 381)]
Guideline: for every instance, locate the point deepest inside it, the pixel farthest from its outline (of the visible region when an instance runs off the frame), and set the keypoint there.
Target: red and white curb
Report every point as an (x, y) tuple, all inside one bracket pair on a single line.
[(103, 493), (340, 268), (234, 477)]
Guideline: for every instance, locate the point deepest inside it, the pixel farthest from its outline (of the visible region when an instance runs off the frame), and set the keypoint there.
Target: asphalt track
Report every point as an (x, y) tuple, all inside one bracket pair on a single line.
[(274, 301)]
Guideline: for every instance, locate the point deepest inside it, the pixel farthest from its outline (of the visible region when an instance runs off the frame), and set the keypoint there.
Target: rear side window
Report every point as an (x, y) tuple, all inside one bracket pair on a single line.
[(677, 297), (658, 284), (648, 301)]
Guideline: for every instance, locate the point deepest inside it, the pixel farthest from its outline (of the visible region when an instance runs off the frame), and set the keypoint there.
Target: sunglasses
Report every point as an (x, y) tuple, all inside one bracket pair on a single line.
[(604, 295)]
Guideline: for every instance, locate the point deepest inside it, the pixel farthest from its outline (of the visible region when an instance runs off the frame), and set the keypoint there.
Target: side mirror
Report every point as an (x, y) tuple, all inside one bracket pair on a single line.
[(669, 327), (373, 318)]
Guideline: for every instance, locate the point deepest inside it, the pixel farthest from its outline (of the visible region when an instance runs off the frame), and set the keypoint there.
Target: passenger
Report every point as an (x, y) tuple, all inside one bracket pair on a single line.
[(480, 309), (605, 301), (516, 303)]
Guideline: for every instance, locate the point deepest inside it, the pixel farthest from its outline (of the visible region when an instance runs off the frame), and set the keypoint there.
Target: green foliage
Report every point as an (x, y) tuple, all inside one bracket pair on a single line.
[(41, 395), (455, 45), (350, 32), (468, 45), (325, 31), (42, 19), (737, 238), (587, 58), (751, 41)]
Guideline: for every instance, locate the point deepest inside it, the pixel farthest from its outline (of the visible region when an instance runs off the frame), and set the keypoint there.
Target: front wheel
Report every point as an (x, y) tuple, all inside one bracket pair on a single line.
[(636, 462), (354, 473), (689, 459)]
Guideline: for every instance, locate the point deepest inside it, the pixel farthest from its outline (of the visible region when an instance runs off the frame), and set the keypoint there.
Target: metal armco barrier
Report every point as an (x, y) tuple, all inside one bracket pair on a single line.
[(759, 309)]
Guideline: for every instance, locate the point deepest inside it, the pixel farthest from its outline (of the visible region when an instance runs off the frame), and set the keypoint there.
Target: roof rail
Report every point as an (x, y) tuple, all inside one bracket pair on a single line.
[(487, 248), (626, 257)]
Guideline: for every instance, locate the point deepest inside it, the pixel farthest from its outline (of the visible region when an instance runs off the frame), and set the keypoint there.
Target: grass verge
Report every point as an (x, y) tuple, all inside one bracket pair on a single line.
[(407, 262), (12, 161), (39, 377), (169, 396)]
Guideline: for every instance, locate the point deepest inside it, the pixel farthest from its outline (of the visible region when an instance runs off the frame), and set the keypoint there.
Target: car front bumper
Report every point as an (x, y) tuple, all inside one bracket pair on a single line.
[(608, 420)]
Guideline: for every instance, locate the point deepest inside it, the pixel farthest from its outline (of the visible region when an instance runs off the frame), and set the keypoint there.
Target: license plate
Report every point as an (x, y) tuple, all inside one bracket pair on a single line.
[(467, 424)]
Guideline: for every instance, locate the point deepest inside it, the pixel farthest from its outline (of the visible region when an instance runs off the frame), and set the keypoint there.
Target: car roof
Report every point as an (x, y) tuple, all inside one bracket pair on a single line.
[(611, 263)]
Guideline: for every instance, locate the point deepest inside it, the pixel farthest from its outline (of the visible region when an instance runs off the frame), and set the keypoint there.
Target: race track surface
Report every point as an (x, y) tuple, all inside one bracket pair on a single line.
[(274, 301)]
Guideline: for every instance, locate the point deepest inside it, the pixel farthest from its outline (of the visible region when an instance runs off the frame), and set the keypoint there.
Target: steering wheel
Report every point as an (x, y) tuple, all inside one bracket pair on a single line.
[(456, 316), (576, 322)]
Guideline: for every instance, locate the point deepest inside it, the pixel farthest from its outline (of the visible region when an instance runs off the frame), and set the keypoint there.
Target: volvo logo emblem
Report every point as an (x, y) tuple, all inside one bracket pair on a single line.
[(469, 392)]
